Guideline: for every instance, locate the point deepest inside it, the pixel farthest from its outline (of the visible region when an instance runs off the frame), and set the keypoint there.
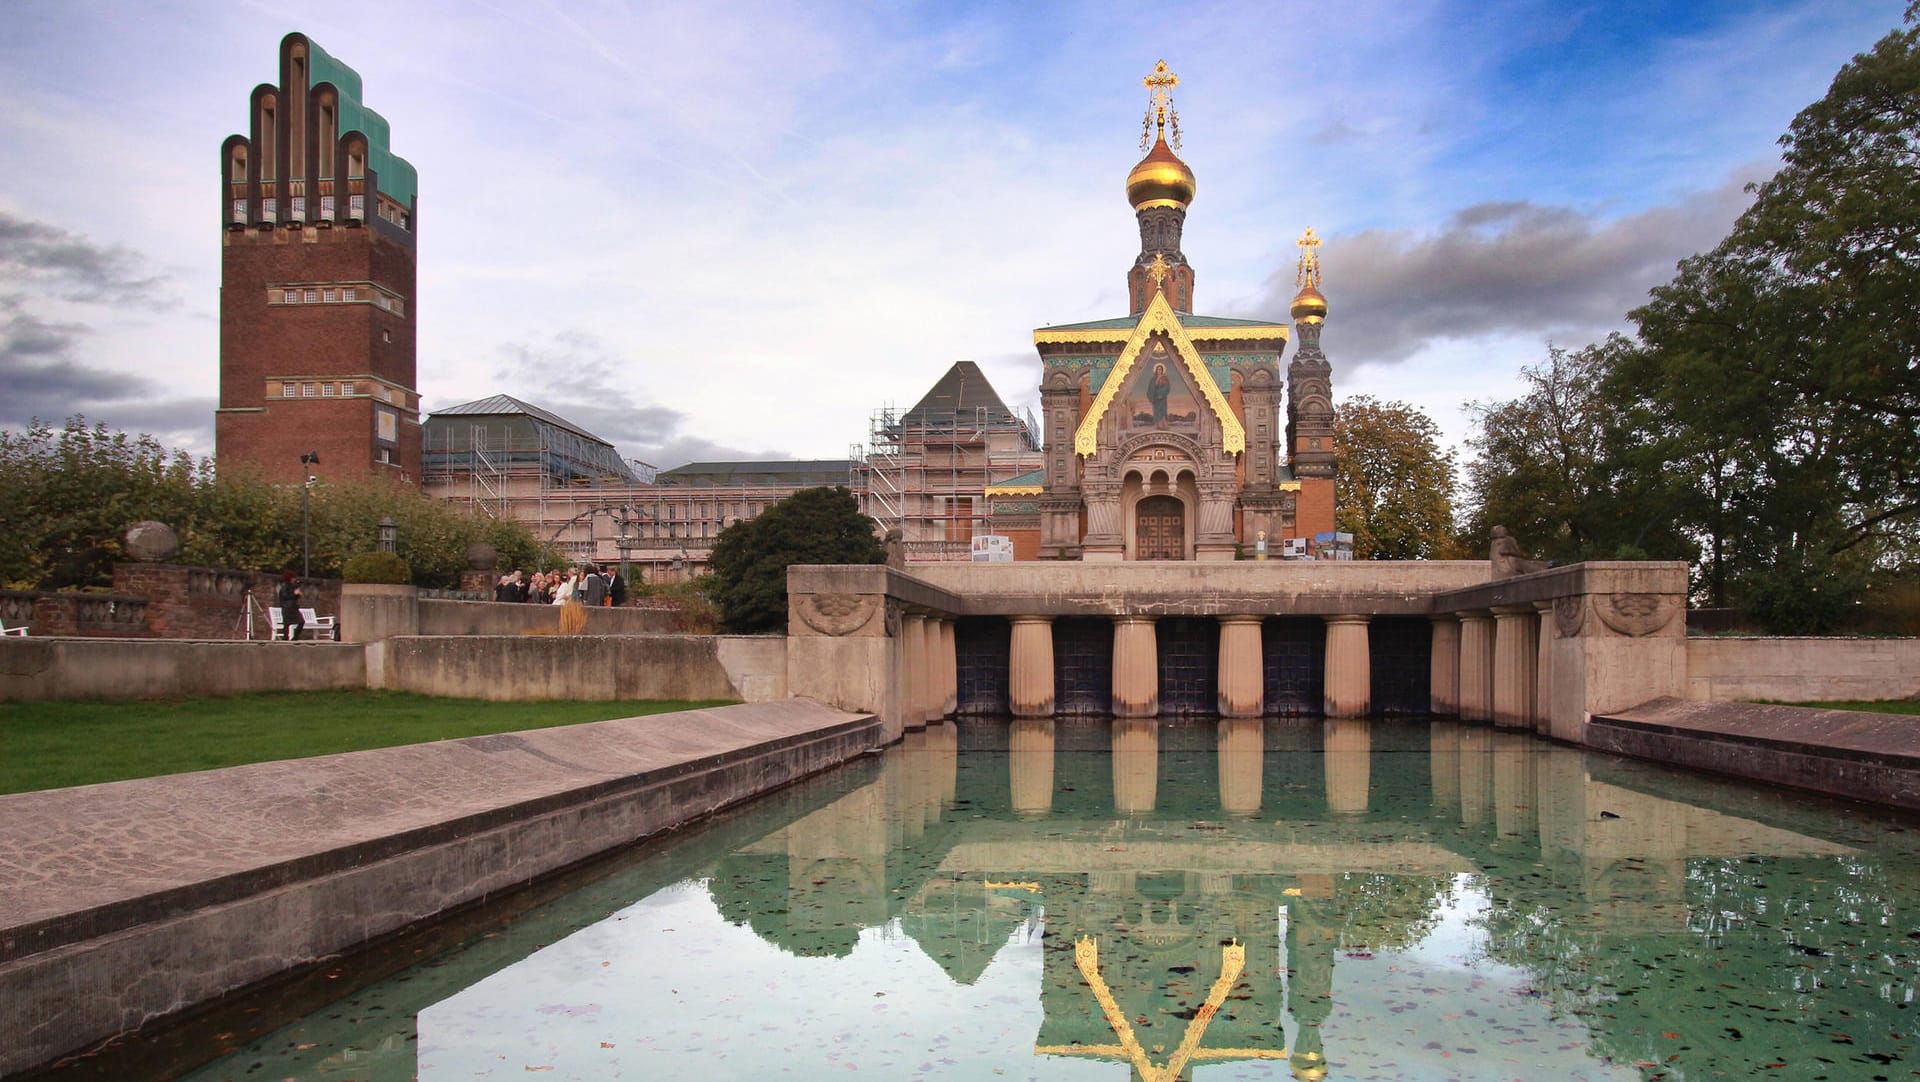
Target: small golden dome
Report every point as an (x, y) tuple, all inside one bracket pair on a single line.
[(1309, 306), (1160, 180)]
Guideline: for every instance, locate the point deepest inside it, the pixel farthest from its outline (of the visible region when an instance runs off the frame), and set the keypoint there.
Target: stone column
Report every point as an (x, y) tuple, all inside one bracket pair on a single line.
[(1136, 668), (1030, 667), (1349, 677), (1476, 666), (1543, 670), (949, 670), (1242, 744), (1030, 767), (1347, 754), (1242, 678), (1136, 765), (1443, 683), (913, 655), (1514, 652)]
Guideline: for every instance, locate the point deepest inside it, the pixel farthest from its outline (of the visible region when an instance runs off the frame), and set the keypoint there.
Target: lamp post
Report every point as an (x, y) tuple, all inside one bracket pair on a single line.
[(389, 534), (307, 462)]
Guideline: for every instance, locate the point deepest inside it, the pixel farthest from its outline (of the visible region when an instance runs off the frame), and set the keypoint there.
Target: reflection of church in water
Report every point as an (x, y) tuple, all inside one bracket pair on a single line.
[(1164, 433), (1195, 888)]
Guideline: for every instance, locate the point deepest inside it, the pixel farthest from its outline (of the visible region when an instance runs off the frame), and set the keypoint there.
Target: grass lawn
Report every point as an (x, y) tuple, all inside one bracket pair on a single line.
[(1878, 706), (49, 745)]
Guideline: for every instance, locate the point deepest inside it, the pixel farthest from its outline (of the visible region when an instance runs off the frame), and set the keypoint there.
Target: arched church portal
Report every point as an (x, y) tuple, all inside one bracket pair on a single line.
[(1160, 529)]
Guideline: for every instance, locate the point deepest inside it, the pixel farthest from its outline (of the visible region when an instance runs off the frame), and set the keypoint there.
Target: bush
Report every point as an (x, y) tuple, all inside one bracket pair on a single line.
[(381, 568)]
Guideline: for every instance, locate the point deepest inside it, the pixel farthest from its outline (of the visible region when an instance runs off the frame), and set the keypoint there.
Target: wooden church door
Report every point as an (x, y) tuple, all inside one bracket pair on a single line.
[(1159, 529)]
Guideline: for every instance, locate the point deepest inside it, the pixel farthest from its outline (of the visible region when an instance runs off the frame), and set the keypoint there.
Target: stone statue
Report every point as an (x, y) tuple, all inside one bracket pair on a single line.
[(1508, 558), (895, 541)]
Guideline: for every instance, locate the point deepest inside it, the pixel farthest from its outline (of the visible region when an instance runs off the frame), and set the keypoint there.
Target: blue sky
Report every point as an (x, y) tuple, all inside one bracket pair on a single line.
[(715, 230)]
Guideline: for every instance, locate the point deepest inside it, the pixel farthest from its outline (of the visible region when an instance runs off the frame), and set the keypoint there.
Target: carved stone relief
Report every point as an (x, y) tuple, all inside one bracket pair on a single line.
[(836, 614), (1636, 615), (1569, 613)]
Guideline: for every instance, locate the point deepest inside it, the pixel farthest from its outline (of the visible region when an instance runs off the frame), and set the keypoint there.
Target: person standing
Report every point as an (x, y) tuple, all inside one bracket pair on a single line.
[(617, 589), (287, 599), (595, 587)]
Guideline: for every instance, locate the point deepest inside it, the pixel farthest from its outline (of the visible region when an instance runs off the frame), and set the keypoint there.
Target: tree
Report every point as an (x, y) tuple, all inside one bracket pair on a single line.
[(1394, 484), (1536, 457), (751, 557), (1785, 364), (67, 498)]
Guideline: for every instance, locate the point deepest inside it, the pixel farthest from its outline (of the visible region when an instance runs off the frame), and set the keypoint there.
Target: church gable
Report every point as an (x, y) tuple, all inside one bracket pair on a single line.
[(1159, 382)]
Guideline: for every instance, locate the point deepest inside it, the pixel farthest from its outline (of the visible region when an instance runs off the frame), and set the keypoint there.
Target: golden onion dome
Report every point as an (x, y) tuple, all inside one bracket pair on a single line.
[(1309, 305), (1160, 180)]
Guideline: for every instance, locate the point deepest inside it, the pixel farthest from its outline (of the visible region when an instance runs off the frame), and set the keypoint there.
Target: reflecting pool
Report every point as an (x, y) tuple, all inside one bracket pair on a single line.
[(1213, 900)]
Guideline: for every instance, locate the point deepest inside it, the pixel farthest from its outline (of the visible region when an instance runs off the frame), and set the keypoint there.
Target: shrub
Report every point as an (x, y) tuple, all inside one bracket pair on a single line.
[(383, 568)]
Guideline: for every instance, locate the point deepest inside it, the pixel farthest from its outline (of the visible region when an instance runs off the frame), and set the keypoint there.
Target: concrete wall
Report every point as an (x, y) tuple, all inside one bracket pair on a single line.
[(1803, 670), (33, 668), (521, 667), (438, 617), (1306, 587)]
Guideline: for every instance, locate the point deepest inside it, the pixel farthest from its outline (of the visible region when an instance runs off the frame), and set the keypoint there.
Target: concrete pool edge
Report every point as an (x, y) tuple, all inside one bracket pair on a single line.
[(103, 968), (1853, 754)]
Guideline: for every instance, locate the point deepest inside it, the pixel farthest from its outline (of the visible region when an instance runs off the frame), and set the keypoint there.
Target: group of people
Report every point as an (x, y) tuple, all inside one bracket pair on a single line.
[(586, 584)]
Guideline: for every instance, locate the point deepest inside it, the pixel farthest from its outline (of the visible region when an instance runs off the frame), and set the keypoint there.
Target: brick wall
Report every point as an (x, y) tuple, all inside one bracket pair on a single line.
[(206, 603)]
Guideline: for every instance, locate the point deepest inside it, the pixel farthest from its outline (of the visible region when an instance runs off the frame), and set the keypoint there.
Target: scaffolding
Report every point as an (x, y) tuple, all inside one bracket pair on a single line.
[(925, 472)]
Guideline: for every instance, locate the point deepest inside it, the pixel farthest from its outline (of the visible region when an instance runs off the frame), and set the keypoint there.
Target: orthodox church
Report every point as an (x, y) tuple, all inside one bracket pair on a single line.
[(1164, 431)]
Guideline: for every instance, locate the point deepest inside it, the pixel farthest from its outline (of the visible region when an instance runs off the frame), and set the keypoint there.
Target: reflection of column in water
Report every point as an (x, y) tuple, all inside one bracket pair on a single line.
[(943, 763), (1312, 934), (895, 782), (1560, 787), (1242, 747), (1030, 767), (1443, 760), (1136, 765), (1476, 773), (1513, 784), (918, 780), (1348, 756)]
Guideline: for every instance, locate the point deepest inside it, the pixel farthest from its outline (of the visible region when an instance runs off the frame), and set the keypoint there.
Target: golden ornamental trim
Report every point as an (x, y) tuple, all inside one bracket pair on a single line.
[(1159, 316), (1048, 337), (1015, 490)]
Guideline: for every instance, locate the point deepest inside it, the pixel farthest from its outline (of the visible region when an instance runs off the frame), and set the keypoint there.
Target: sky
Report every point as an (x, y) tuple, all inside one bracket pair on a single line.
[(739, 230)]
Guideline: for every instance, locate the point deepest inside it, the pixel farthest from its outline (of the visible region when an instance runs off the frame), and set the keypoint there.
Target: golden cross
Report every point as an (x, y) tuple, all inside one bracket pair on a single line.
[(1157, 271), (1309, 260), (1160, 112)]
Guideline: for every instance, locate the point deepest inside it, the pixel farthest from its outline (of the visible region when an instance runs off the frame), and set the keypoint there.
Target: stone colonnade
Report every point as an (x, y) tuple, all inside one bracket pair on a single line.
[(1544, 650), (1547, 650), (1242, 676)]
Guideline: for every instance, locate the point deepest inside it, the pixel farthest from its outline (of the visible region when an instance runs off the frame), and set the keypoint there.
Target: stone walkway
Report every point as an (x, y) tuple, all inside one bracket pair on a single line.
[(247, 871)]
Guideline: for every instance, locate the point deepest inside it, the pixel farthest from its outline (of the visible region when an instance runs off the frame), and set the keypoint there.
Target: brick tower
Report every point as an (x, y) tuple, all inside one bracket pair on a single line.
[(317, 314)]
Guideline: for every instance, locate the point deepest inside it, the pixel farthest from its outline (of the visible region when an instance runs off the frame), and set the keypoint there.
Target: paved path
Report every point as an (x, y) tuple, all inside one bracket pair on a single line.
[(192, 884)]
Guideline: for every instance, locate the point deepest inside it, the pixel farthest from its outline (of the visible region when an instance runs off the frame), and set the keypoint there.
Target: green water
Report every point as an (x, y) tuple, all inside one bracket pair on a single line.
[(1151, 900)]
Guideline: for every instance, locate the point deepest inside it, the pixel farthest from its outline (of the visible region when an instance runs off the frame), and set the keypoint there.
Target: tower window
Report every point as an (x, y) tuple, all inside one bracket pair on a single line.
[(386, 336), (291, 296), (288, 390), (240, 210), (326, 390), (350, 294), (329, 295), (307, 390), (312, 295)]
